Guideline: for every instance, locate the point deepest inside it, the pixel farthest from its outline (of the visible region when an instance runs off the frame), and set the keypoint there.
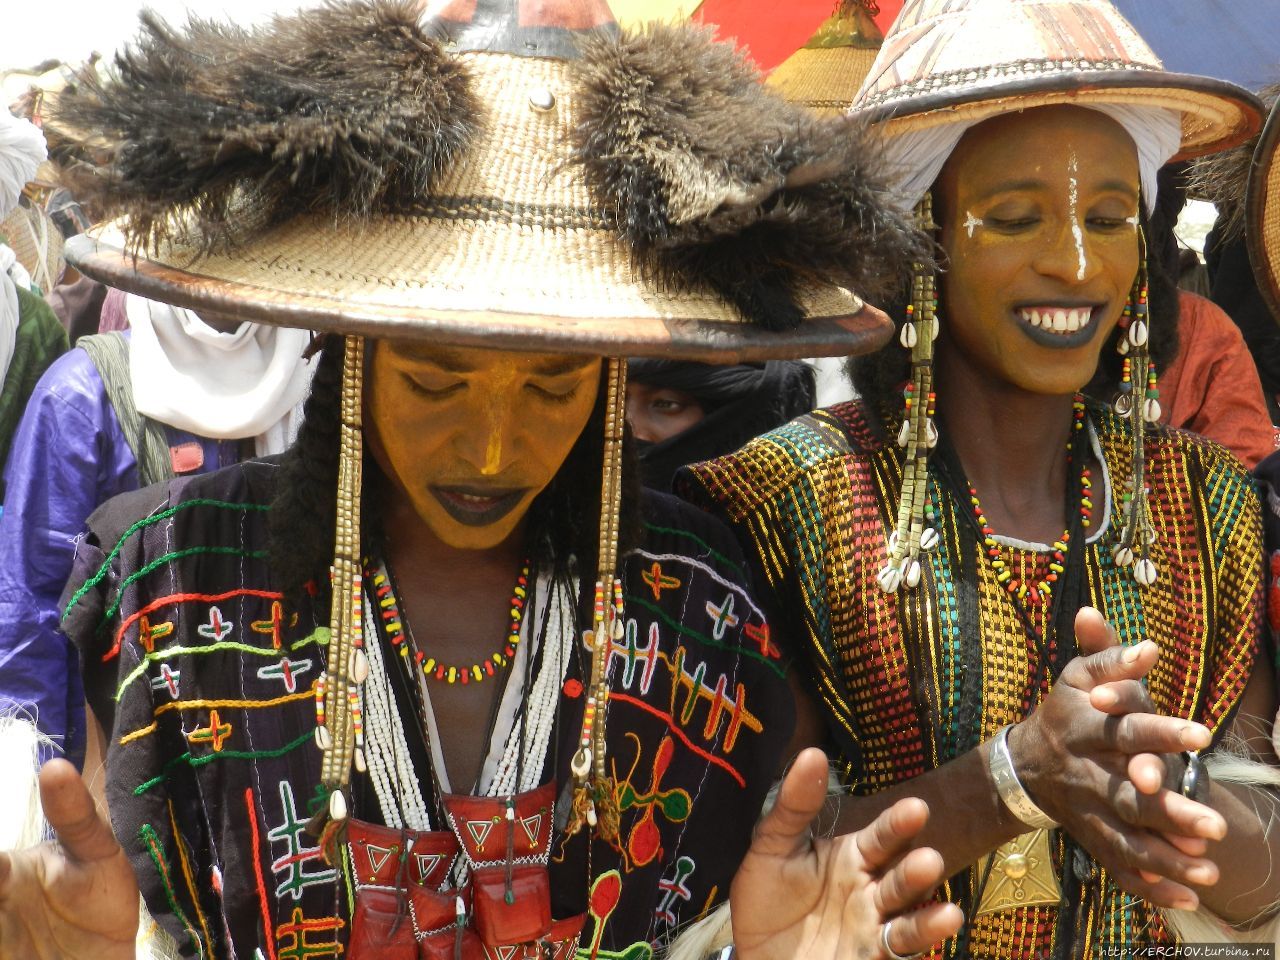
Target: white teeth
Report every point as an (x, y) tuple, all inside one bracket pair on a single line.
[(1059, 321)]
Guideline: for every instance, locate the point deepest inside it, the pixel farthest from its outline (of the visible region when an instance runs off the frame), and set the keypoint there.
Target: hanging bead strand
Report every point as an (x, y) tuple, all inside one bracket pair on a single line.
[(913, 533), (1138, 402)]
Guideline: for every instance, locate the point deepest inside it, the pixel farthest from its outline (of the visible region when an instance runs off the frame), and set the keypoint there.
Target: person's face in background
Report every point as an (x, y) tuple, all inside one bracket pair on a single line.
[(660, 413)]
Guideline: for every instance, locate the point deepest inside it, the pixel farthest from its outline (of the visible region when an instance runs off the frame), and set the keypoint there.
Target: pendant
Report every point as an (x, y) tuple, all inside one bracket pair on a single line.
[(1021, 875)]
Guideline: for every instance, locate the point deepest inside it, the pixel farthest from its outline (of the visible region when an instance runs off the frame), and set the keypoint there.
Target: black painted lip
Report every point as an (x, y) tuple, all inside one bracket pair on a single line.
[(1059, 341), (503, 501)]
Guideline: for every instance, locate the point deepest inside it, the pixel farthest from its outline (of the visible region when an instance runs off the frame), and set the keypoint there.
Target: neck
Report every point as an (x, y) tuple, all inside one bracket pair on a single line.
[(1012, 446), (410, 545)]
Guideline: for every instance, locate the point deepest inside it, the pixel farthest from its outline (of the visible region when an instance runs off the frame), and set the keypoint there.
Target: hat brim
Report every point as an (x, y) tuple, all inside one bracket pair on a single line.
[(839, 322), (1216, 114), (1262, 212)]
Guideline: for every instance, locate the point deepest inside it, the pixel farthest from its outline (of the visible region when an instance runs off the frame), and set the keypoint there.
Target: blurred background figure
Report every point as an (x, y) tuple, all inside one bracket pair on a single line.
[(684, 413)]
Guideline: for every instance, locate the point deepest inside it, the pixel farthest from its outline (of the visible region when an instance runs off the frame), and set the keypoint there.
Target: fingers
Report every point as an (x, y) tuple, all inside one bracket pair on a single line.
[(785, 829), (1110, 665), (1138, 733), (71, 813), (1121, 697), (1146, 864), (910, 881), (1147, 773), (919, 930), (891, 833), (1093, 633)]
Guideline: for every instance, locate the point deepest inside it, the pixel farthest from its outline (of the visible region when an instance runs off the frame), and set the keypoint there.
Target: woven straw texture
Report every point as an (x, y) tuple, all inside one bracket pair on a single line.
[(509, 241), (1262, 205), (38, 243), (826, 73), (947, 60)]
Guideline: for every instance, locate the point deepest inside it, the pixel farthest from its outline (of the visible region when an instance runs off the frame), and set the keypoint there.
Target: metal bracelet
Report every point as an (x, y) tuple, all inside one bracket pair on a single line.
[(1010, 788)]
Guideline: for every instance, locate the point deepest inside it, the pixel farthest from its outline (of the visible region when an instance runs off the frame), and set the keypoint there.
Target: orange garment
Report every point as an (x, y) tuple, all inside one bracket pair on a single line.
[(1212, 386)]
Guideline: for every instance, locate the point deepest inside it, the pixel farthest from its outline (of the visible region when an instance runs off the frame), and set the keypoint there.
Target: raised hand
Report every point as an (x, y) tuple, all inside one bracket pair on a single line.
[(75, 899), (796, 897), (1086, 756)]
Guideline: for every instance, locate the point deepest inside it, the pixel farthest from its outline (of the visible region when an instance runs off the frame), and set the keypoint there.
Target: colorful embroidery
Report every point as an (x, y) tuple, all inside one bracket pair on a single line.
[(658, 581), (815, 500), (286, 671), (151, 841), (292, 938), (293, 833), (215, 734)]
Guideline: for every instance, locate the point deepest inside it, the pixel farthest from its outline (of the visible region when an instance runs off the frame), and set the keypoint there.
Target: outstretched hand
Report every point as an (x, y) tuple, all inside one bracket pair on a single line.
[(796, 896), (1086, 755), (75, 899)]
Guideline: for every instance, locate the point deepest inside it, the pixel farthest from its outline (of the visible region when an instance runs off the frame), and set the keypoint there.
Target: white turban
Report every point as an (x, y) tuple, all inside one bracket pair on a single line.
[(22, 150), (913, 160)]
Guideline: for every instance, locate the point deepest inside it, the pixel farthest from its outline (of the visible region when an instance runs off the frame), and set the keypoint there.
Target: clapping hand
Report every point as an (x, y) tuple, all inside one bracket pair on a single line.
[(797, 897), (75, 899)]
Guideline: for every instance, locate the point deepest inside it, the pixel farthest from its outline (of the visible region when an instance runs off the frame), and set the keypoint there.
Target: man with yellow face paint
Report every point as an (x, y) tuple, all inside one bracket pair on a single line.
[(1033, 608), (442, 682)]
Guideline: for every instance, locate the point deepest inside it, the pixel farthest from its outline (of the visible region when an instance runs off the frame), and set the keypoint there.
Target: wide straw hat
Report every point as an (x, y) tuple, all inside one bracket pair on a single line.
[(562, 206), (946, 61), (826, 73), (37, 242), (1262, 212)]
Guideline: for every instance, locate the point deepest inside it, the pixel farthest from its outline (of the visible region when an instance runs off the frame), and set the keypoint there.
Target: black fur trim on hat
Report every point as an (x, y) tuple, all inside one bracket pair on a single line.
[(718, 183), (345, 109)]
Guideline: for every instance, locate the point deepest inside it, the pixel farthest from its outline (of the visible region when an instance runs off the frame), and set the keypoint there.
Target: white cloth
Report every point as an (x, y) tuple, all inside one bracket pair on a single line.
[(9, 316), (913, 160), (22, 150), (248, 383)]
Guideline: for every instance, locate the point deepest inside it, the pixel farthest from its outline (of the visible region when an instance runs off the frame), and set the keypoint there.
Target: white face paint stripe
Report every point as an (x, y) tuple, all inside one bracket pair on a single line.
[(1076, 233), (971, 223)]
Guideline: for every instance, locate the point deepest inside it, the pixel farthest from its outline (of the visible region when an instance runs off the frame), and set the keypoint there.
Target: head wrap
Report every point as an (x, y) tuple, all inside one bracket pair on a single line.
[(22, 150), (740, 402), (913, 160)]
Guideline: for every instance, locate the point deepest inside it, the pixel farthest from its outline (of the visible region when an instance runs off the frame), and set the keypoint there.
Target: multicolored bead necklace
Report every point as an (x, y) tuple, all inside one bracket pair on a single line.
[(1043, 590), (432, 668)]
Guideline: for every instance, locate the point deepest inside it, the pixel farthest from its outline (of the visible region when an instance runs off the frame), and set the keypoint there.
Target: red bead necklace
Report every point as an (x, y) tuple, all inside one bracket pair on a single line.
[(1042, 590), (432, 668)]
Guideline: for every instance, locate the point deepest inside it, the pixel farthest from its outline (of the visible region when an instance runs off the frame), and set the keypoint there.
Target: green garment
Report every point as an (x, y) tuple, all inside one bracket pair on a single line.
[(41, 339)]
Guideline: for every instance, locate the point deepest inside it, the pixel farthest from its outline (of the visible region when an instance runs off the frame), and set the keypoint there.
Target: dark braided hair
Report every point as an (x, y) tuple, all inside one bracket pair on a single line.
[(563, 519), (879, 377)]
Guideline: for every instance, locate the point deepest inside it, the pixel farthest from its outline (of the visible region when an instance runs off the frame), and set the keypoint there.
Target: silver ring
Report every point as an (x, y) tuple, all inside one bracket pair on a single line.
[(889, 952)]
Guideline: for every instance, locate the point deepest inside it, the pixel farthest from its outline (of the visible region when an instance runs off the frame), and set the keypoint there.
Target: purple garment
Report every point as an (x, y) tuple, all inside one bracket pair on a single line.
[(68, 457)]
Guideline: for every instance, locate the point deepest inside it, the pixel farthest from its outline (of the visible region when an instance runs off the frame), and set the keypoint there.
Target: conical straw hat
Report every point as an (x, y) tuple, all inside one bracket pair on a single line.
[(826, 73), (1262, 210), (509, 248), (38, 243), (966, 60)]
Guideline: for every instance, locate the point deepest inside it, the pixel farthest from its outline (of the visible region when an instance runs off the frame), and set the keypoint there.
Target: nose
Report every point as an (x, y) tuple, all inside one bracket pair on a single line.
[(1066, 252), (485, 438)]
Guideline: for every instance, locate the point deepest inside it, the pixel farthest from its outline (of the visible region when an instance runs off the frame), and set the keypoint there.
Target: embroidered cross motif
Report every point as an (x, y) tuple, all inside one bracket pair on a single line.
[(287, 671), (674, 889), (759, 635), (722, 616), (217, 628), (215, 734), (273, 625), (149, 633), (293, 833), (633, 654), (292, 942), (168, 679), (658, 581), (718, 699)]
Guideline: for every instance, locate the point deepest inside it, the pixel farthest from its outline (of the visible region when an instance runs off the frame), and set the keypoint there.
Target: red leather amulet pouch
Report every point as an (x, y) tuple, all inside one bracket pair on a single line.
[(379, 930), (526, 918)]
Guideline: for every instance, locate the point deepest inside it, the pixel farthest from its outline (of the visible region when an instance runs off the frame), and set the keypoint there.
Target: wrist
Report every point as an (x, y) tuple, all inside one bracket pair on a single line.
[(1012, 794)]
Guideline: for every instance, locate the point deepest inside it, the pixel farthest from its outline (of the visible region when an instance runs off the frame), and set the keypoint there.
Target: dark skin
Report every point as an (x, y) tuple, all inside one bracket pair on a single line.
[(467, 438), (1029, 233)]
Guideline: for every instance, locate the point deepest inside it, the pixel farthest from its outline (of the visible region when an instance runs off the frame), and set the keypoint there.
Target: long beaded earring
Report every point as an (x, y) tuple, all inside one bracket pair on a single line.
[(918, 433), (594, 798), (339, 724), (1138, 402)]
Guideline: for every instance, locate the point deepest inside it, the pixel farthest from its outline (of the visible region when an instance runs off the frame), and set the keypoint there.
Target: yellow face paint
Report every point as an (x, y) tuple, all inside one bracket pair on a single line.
[(472, 436), (1036, 210)]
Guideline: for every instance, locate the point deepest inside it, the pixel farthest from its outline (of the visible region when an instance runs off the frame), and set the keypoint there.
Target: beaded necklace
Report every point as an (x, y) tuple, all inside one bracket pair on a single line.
[(432, 668), (1042, 590)]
